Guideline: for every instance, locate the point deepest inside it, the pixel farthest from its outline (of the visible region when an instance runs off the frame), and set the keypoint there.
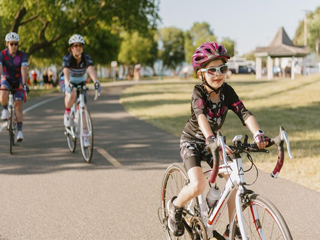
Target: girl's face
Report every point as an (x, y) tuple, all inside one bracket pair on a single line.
[(214, 76)]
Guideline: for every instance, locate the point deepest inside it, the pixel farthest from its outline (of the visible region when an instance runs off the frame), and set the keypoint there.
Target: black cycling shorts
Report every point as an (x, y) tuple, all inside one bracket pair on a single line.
[(193, 152)]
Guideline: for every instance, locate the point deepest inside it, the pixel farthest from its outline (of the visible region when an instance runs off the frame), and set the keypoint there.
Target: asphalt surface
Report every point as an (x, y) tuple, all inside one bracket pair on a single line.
[(49, 193)]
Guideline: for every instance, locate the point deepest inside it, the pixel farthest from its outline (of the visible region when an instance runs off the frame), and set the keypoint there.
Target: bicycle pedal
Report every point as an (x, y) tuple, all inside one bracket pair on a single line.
[(217, 235)]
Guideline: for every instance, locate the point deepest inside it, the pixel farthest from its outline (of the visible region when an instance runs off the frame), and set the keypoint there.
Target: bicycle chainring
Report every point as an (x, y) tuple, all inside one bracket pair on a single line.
[(198, 229)]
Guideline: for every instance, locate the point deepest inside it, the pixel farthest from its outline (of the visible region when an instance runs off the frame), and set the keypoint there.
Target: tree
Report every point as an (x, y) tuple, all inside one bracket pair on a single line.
[(198, 34), (299, 35), (136, 48), (314, 30), (250, 55), (229, 45), (172, 51), (46, 25)]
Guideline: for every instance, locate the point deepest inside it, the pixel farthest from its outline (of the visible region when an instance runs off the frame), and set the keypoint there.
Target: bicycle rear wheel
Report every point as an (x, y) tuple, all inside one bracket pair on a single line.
[(86, 139), (10, 123), (71, 138), (267, 224)]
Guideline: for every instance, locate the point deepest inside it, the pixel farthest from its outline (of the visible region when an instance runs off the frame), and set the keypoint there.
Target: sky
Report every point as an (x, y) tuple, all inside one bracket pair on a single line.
[(250, 23)]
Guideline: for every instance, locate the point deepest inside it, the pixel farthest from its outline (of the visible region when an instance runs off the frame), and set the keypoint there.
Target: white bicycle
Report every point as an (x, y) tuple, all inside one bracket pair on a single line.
[(12, 121), (81, 125), (255, 216)]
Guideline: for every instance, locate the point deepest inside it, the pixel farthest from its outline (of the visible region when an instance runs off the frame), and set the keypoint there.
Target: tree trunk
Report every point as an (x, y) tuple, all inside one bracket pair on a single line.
[(18, 18)]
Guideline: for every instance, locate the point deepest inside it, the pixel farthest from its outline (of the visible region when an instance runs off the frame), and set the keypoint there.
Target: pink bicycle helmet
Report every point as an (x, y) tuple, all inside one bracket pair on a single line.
[(207, 52)]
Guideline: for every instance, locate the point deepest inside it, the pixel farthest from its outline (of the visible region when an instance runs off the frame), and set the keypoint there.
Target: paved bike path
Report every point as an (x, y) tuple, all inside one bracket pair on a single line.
[(49, 193)]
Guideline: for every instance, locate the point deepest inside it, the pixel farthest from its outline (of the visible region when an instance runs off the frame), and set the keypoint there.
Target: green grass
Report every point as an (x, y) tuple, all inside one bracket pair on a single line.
[(293, 104)]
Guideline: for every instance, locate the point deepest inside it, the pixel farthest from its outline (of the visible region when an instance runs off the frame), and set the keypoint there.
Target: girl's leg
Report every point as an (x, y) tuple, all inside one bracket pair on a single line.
[(193, 189), (175, 205)]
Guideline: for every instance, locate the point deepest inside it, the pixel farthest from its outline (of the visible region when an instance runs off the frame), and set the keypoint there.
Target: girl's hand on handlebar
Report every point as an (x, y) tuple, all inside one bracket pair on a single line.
[(228, 150), (260, 139)]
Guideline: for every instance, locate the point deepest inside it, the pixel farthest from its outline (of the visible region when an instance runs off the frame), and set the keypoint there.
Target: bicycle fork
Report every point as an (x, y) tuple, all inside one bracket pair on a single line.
[(243, 197)]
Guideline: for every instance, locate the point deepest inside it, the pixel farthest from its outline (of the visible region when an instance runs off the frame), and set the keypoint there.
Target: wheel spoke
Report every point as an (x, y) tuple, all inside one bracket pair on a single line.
[(263, 221)]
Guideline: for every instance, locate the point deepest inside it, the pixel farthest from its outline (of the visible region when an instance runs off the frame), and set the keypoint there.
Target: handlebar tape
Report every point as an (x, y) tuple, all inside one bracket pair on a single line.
[(213, 148), (277, 140)]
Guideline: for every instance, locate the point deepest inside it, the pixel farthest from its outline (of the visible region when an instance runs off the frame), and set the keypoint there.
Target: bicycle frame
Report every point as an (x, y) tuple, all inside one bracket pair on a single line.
[(235, 181), (78, 114)]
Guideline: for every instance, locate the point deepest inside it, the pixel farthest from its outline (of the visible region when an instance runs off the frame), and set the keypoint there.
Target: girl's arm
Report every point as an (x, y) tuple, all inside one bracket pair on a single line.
[(258, 134)]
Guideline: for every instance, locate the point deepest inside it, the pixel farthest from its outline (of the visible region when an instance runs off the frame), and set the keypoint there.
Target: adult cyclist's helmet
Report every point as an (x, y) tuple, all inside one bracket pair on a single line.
[(207, 52), (12, 36), (76, 38)]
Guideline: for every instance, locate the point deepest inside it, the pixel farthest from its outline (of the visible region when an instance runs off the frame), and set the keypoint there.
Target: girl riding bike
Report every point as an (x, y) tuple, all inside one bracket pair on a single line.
[(76, 64), (211, 101)]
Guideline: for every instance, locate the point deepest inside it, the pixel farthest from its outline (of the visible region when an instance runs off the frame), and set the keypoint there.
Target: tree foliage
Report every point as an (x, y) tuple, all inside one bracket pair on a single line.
[(313, 28), (45, 26), (198, 34), (229, 45), (136, 48), (172, 51)]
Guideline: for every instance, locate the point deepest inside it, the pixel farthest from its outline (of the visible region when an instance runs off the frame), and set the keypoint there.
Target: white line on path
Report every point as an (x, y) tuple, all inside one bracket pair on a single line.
[(32, 107), (107, 156)]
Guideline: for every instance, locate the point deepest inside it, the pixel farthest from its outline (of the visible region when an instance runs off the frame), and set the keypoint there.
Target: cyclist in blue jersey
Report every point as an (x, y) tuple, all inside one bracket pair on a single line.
[(14, 73), (75, 65)]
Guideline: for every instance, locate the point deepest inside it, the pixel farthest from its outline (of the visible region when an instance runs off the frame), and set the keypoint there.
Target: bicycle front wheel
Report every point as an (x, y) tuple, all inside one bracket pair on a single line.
[(10, 123), (86, 136), (262, 220), (71, 138)]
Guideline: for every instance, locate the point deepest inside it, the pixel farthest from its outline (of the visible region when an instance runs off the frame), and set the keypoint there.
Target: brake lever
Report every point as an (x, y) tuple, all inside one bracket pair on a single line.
[(223, 147), (96, 95), (284, 137)]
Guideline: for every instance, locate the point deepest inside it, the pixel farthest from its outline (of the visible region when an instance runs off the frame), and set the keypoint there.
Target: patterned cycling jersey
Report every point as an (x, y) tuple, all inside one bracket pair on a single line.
[(12, 65), (215, 112), (77, 70)]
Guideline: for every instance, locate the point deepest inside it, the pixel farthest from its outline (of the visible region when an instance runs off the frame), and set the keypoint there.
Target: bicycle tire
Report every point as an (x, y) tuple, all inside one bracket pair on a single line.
[(175, 178), (10, 123), (72, 140), (86, 151), (271, 221)]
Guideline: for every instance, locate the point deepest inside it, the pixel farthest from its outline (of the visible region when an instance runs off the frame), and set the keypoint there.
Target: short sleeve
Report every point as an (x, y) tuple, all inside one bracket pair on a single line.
[(89, 61), (237, 106), (66, 61), (2, 57), (198, 102), (24, 59)]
